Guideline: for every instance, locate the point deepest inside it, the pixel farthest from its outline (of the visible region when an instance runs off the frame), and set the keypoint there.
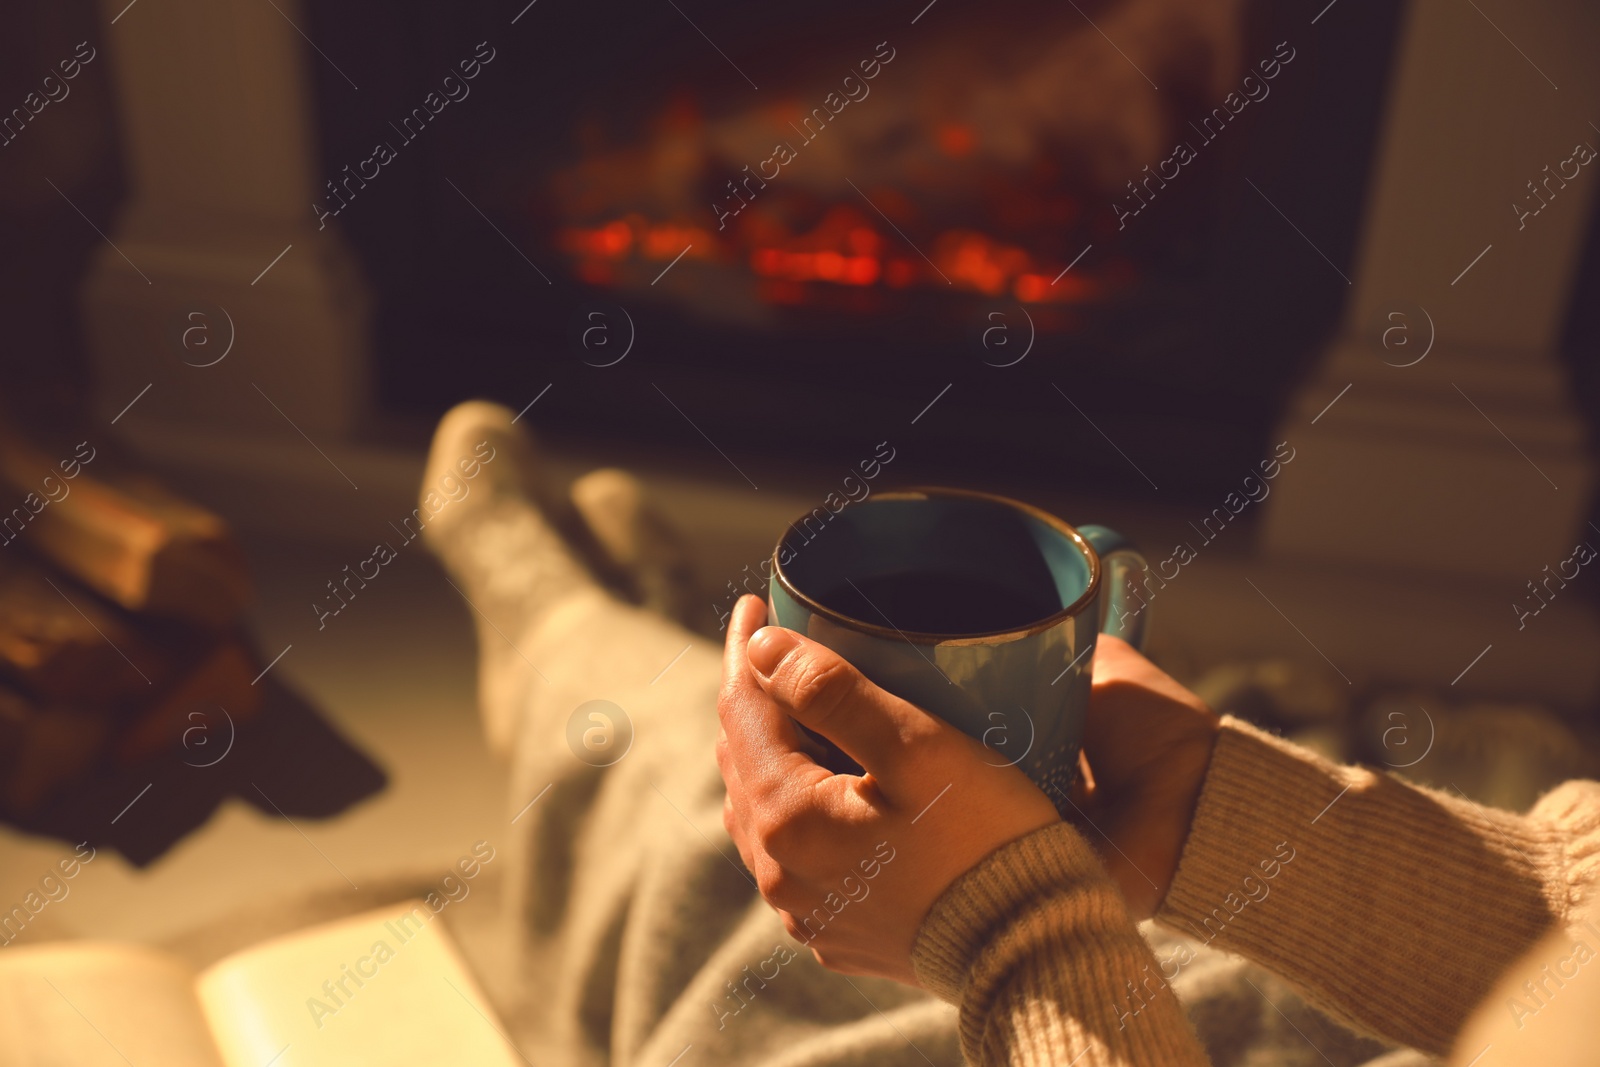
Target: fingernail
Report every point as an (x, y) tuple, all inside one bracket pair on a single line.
[(767, 646)]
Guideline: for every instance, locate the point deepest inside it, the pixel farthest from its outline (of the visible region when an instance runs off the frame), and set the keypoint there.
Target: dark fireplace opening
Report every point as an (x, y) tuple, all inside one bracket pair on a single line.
[(790, 231)]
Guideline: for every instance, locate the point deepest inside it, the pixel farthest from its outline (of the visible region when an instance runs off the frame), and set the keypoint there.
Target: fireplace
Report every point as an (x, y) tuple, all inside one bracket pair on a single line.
[(809, 226), (513, 242)]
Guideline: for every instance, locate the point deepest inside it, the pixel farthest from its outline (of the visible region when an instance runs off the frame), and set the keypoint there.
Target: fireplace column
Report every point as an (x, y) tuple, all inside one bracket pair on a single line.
[(1470, 461), (215, 111), (1422, 499)]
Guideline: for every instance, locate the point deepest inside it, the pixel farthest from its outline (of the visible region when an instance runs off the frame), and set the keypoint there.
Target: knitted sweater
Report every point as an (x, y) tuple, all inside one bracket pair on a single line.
[(1393, 908)]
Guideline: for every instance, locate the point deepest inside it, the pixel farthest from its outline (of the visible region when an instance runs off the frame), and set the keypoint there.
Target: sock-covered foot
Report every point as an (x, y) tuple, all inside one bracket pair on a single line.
[(480, 504), (638, 541)]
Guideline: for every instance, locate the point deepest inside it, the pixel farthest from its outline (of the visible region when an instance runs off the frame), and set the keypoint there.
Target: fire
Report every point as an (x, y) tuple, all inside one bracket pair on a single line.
[(640, 207), (844, 248), (956, 140), (993, 174)]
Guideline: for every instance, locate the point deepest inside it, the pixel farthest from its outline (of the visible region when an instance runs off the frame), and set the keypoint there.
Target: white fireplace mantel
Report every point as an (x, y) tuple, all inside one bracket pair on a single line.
[(1422, 497)]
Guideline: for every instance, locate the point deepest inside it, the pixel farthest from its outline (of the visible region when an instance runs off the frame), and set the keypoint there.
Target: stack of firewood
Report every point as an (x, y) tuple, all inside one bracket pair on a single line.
[(121, 612)]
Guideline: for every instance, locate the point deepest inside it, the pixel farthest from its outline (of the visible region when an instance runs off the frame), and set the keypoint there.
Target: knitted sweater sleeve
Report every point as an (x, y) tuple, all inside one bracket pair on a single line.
[(1392, 907), (1037, 949)]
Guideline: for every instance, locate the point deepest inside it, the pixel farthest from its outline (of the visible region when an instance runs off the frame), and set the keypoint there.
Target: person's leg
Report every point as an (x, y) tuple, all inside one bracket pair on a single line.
[(648, 554), (641, 935)]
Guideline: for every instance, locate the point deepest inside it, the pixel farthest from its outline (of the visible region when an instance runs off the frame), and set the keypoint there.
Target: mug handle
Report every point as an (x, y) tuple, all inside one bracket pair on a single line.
[(1126, 616)]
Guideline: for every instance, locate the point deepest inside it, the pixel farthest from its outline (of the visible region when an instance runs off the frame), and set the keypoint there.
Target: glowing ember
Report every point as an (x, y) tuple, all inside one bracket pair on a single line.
[(842, 249), (634, 207)]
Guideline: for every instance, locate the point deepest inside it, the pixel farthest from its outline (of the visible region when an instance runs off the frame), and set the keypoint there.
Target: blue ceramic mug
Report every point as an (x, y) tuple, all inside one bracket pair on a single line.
[(979, 609)]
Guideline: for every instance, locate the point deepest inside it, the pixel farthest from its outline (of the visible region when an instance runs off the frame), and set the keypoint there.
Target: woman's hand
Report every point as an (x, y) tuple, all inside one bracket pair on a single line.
[(853, 863), (1147, 743)]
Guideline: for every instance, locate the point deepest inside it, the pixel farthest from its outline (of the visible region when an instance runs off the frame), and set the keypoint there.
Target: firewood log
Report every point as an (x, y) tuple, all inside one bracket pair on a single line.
[(199, 711), (43, 749), (46, 746), (62, 644), (121, 534)]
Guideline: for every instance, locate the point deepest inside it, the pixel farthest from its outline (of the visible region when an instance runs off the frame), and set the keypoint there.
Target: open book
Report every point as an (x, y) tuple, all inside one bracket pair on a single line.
[(386, 987)]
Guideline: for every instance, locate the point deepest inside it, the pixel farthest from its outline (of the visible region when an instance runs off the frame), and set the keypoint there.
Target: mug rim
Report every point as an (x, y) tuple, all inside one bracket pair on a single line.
[(982, 637)]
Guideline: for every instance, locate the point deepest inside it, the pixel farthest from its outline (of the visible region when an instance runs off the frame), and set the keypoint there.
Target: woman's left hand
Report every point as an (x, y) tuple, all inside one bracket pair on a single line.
[(853, 863)]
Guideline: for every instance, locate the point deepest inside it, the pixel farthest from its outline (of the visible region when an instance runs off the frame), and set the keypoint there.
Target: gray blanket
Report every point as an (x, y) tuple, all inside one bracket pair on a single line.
[(639, 937), (617, 925)]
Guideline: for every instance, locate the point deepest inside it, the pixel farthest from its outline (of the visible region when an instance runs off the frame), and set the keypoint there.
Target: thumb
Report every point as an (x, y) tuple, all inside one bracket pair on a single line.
[(822, 691)]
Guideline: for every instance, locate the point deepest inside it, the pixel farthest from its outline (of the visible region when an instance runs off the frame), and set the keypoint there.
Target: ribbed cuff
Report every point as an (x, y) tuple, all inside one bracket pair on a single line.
[(1391, 906), (1260, 800), (1036, 947), (977, 907), (1573, 808)]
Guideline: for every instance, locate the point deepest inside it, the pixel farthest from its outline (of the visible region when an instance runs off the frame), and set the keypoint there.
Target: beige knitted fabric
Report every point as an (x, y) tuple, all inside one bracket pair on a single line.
[(1035, 946), (1391, 907)]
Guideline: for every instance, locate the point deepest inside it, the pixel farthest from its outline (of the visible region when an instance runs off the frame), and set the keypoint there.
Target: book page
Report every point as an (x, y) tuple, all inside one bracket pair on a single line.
[(385, 987), (98, 1005)]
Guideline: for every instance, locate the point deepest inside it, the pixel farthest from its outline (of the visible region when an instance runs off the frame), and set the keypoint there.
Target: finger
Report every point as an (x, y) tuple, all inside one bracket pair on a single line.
[(825, 693), (763, 746), (1117, 661), (1083, 789), (1132, 701), (748, 616), (733, 802), (730, 822), (728, 769)]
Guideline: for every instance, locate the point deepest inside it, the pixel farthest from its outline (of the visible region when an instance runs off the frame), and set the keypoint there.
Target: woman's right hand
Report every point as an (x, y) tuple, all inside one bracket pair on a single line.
[(1147, 744)]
